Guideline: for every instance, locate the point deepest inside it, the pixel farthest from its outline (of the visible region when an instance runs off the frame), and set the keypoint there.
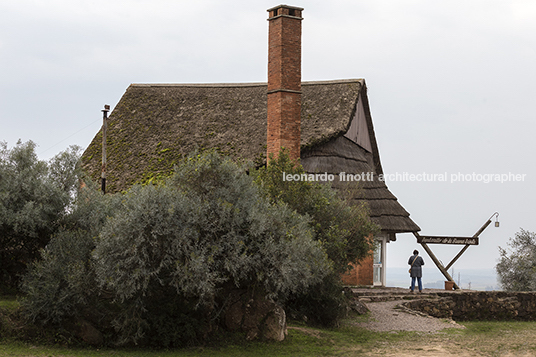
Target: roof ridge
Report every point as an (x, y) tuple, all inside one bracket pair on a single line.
[(334, 81), (247, 84), (215, 85)]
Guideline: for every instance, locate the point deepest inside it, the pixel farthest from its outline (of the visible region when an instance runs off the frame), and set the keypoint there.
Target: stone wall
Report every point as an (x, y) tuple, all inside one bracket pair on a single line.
[(478, 305)]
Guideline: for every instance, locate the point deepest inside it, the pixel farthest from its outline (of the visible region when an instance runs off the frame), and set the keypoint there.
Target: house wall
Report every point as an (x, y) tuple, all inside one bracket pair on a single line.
[(360, 274)]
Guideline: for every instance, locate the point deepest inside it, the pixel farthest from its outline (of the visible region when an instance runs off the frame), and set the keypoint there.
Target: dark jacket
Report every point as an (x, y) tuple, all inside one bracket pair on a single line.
[(416, 270)]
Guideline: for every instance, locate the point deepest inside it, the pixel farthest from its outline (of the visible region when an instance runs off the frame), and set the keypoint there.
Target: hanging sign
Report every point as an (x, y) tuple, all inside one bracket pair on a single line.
[(448, 240)]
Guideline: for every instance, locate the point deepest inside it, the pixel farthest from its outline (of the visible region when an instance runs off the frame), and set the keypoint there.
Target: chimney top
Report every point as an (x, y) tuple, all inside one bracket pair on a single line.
[(285, 10), (284, 81)]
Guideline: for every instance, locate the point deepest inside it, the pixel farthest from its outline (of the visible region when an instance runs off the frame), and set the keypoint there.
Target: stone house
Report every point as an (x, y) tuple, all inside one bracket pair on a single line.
[(327, 124)]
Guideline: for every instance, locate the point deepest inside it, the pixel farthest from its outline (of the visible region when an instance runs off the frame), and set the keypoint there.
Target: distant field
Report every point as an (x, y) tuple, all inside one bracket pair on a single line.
[(479, 279)]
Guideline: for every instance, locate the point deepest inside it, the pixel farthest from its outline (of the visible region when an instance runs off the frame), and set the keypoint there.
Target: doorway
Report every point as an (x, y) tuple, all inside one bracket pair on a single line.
[(378, 265)]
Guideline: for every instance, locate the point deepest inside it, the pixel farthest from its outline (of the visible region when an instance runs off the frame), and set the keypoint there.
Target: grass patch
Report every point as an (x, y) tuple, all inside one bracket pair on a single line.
[(9, 302), (300, 342), (497, 328), (487, 338), (493, 338)]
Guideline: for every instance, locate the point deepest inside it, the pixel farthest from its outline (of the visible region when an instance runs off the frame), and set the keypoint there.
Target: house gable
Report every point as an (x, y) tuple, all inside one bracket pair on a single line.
[(359, 131)]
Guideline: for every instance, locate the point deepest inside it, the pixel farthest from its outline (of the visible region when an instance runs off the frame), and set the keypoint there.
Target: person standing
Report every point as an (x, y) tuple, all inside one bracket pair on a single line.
[(416, 262)]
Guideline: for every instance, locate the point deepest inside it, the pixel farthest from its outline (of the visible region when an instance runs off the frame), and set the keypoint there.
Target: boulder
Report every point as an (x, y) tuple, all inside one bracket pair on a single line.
[(89, 334), (275, 325), (257, 316), (358, 306)]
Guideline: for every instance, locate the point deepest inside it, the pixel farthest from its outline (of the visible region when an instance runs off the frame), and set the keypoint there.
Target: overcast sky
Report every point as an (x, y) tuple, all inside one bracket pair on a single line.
[(451, 87)]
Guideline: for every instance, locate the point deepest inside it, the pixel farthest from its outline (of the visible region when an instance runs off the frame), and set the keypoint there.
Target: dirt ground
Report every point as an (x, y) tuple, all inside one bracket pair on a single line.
[(443, 345), (438, 337)]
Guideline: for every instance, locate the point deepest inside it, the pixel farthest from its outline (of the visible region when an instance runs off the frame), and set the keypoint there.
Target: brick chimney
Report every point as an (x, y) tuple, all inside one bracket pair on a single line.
[(284, 80)]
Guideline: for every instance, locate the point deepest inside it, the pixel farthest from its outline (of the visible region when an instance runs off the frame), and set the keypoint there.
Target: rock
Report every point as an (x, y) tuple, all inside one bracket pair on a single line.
[(257, 316), (358, 306), (275, 325), (89, 334), (255, 312), (252, 334)]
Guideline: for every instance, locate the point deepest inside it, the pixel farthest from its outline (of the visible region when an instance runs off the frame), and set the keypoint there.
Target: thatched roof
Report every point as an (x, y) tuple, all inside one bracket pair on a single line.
[(155, 125), (341, 155)]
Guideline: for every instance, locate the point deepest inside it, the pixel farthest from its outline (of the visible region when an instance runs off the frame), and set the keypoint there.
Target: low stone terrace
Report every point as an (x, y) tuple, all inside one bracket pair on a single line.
[(376, 294), (457, 304)]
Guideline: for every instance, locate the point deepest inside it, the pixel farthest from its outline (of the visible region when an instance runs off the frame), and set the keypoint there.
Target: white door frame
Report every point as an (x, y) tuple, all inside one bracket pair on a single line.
[(379, 260)]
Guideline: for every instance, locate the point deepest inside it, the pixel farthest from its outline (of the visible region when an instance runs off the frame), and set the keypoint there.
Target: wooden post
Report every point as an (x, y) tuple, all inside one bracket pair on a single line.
[(440, 266), (457, 256), (437, 262), (104, 129), (467, 246)]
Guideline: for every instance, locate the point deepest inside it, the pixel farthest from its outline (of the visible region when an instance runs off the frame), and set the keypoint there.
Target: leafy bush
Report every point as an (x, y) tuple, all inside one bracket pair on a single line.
[(342, 228), (157, 264), (62, 284), (169, 255), (516, 269), (206, 230), (34, 198), (62, 281), (323, 304)]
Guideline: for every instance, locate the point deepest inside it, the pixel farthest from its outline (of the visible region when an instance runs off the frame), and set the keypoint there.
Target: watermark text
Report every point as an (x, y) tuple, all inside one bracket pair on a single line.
[(408, 177)]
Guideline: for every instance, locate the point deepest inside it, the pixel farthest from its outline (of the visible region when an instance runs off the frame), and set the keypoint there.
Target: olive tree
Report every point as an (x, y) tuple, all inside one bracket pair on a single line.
[(62, 284), (516, 268), (164, 260), (342, 227), (34, 198)]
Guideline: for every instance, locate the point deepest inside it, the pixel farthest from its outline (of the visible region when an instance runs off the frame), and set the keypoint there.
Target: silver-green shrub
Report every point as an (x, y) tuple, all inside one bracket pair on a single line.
[(340, 224), (35, 196), (516, 268), (205, 231), (62, 285), (161, 260)]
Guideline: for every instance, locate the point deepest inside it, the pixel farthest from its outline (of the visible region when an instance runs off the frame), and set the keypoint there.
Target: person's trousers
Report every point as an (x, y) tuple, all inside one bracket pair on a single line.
[(419, 281)]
